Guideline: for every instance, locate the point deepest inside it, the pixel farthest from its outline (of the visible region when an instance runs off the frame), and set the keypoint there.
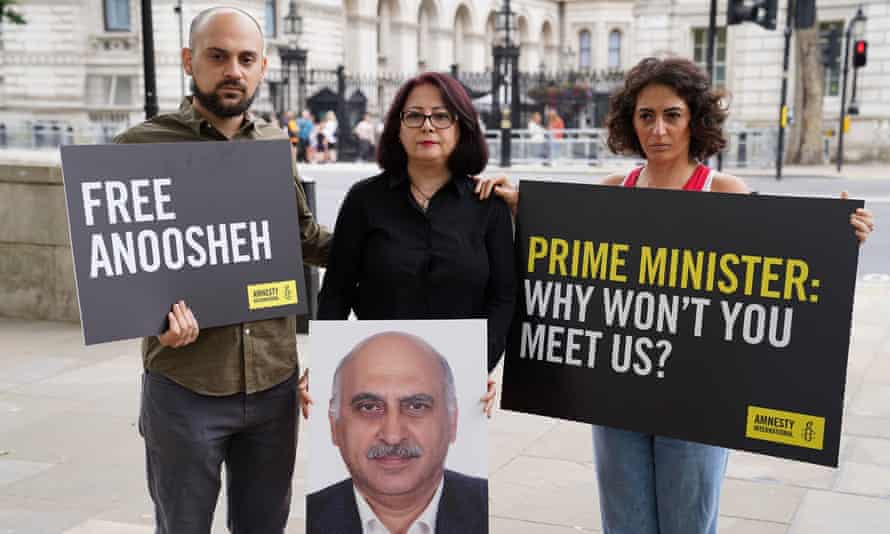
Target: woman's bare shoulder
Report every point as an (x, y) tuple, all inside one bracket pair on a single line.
[(613, 179), (727, 183)]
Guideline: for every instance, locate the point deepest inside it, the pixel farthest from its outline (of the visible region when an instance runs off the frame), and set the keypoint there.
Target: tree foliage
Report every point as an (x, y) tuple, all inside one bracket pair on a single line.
[(8, 14)]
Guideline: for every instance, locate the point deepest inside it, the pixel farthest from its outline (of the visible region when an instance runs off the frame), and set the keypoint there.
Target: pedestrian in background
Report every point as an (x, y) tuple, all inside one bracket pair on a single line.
[(329, 131), (555, 130), (364, 131)]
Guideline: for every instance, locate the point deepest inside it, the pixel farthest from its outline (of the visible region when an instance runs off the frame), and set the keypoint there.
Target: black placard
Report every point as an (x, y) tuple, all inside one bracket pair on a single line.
[(214, 224), (627, 315)]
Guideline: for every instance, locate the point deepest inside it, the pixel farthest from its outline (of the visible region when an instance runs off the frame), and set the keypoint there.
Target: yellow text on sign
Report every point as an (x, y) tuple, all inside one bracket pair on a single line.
[(272, 294), (789, 428)]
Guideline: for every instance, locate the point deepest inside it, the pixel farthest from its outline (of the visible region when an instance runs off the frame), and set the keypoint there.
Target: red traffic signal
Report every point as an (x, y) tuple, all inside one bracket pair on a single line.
[(859, 50)]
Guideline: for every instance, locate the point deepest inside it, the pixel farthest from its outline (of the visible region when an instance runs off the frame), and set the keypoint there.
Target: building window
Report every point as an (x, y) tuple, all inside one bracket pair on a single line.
[(109, 90), (584, 50), (117, 15), (271, 18), (700, 51), (615, 49), (833, 72)]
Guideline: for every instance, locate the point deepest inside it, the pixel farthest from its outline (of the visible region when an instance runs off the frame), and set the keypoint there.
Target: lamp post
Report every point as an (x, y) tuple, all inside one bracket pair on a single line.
[(506, 66), (858, 17), (292, 54)]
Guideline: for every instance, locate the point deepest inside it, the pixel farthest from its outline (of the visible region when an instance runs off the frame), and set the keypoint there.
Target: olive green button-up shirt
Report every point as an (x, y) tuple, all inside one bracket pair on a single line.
[(246, 357)]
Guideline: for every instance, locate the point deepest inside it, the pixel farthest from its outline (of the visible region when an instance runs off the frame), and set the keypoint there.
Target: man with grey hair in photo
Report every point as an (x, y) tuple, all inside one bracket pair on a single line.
[(393, 415), (223, 396)]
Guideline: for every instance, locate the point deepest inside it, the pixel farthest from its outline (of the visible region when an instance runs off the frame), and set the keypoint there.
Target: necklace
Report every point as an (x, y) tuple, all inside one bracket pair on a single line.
[(424, 200)]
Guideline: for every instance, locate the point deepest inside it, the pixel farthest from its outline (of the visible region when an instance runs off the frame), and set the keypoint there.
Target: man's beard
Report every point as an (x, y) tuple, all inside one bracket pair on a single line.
[(213, 103)]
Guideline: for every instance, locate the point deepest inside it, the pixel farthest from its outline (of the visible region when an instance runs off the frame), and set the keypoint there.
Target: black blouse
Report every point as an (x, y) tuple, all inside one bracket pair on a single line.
[(391, 260)]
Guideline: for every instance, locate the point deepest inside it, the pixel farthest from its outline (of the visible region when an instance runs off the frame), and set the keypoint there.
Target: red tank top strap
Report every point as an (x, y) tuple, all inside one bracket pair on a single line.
[(632, 177), (698, 179)]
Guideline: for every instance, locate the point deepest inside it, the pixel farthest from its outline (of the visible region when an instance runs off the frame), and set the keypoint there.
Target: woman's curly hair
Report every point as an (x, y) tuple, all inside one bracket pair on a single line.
[(706, 106)]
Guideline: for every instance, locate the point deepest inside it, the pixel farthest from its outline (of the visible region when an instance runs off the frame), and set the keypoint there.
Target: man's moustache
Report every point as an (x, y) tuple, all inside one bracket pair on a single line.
[(234, 85), (399, 450)]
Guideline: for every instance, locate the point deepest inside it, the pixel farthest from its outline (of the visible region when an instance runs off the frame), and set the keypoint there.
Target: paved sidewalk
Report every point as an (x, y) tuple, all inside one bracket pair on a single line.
[(71, 460)]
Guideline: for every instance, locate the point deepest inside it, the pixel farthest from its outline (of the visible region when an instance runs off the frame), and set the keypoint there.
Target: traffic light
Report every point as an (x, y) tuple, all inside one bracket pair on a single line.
[(860, 48), (831, 48), (762, 13)]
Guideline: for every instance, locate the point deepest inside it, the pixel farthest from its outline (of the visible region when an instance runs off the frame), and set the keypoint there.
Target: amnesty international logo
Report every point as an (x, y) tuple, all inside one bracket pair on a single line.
[(789, 428), (271, 294)]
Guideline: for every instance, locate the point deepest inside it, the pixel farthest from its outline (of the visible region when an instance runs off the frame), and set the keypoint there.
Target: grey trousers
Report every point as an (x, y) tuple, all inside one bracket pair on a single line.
[(189, 436)]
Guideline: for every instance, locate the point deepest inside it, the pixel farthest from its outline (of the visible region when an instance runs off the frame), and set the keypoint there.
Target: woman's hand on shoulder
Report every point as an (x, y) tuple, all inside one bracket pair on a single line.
[(862, 221), (501, 187), (727, 183)]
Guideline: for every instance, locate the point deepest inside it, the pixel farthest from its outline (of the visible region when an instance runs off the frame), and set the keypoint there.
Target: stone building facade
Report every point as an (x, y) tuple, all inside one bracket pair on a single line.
[(77, 64)]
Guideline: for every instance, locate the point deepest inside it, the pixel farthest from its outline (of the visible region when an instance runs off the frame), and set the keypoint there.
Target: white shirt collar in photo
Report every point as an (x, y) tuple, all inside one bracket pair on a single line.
[(424, 524)]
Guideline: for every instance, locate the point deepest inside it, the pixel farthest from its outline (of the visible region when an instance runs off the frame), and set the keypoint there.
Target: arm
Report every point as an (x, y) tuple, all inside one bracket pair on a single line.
[(726, 183), (501, 288), (315, 240), (341, 279)]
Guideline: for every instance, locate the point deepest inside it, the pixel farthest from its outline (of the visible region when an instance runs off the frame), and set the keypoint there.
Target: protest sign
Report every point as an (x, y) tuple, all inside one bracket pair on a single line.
[(718, 318), (214, 224)]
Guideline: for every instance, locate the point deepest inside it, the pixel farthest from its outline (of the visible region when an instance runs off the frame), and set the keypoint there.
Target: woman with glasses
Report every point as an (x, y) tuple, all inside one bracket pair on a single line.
[(415, 242)]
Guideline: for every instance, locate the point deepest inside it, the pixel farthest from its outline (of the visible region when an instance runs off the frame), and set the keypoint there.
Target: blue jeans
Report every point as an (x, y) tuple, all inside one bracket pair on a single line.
[(656, 485)]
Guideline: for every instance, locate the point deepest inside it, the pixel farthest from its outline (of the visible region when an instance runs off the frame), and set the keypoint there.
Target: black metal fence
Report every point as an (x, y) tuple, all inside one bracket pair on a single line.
[(581, 98)]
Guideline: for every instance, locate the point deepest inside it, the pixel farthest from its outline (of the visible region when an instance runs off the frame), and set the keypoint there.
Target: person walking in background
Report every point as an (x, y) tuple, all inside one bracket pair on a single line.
[(329, 132), (364, 131), (536, 136), (304, 133), (293, 132), (555, 127)]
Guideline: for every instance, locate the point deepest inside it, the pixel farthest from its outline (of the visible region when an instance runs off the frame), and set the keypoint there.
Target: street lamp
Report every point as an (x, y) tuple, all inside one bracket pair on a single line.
[(506, 66), (858, 17), (292, 54)]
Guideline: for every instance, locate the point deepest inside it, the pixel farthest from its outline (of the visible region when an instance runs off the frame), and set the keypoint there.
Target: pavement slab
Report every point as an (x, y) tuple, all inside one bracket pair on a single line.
[(823, 512)]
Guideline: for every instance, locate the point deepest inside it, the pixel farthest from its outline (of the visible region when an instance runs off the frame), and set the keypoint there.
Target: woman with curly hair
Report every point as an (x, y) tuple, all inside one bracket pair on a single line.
[(667, 113)]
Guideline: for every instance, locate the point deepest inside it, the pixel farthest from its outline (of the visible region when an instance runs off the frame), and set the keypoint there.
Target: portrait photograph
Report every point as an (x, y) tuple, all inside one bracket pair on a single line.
[(398, 437)]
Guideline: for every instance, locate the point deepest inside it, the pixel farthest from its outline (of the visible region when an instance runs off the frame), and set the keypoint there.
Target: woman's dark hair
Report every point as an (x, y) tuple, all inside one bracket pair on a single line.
[(706, 106), (471, 153)]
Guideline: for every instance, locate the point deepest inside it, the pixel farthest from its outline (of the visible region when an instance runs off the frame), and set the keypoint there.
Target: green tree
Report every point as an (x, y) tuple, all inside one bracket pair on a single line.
[(8, 14)]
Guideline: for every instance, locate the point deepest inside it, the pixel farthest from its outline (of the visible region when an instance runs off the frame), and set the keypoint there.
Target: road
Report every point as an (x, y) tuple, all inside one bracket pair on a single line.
[(333, 181)]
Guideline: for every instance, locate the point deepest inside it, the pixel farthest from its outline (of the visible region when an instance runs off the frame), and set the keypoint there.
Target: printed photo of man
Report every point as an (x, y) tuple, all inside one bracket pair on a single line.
[(393, 415)]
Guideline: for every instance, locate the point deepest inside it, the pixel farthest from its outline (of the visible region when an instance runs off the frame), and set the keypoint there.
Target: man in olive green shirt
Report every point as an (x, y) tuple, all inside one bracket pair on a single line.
[(229, 394)]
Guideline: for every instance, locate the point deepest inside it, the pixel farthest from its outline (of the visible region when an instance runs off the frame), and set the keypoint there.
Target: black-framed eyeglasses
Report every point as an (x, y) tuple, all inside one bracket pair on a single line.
[(439, 119)]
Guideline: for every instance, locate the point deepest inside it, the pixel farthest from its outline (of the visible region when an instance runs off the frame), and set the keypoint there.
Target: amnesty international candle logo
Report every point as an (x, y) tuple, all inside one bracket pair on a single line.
[(203, 222), (272, 294), (789, 428)]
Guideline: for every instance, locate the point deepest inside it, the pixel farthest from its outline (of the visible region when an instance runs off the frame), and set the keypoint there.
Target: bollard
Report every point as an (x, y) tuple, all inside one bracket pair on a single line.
[(309, 271)]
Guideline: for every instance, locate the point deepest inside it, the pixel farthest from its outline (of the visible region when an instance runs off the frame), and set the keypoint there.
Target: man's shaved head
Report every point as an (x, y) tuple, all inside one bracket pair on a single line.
[(203, 17)]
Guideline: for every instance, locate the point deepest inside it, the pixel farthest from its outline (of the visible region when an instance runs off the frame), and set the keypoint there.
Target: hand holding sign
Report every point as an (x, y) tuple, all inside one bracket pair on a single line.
[(182, 328), (862, 221)]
